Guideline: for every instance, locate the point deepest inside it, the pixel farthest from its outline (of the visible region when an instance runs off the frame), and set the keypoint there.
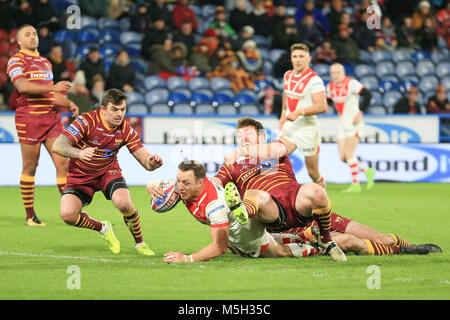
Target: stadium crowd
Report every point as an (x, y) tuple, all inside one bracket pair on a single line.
[(402, 56)]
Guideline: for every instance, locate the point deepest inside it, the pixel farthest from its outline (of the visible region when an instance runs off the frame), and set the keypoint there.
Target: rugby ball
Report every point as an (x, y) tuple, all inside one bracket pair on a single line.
[(170, 199)]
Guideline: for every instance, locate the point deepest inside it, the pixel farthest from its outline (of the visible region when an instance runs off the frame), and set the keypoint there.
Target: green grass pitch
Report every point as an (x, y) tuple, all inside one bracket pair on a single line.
[(35, 263)]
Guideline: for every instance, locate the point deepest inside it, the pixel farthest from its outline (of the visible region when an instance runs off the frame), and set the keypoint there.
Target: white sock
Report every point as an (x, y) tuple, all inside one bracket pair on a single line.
[(105, 228), (139, 244)]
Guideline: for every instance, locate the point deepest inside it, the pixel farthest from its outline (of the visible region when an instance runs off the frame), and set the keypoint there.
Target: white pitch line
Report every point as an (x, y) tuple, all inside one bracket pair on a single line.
[(60, 257)]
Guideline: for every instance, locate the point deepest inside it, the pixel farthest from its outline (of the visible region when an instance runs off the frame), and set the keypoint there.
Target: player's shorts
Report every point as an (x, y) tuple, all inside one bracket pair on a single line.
[(306, 139), (338, 223), (85, 186), (249, 240), (33, 129), (348, 129)]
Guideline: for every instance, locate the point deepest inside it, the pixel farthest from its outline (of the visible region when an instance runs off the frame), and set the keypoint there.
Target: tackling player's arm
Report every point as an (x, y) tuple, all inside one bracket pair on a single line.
[(63, 147), (262, 152), (320, 105), (216, 248), (148, 161)]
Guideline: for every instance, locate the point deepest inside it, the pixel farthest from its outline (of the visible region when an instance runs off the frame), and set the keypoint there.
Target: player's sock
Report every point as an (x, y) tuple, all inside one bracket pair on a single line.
[(323, 218), (133, 222), (301, 250), (251, 205), (354, 169), (84, 221), (27, 190), (321, 182), (399, 241), (61, 182), (378, 249)]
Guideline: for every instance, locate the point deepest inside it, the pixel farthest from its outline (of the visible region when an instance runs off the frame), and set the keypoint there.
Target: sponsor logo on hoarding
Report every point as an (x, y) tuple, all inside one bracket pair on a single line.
[(396, 133)]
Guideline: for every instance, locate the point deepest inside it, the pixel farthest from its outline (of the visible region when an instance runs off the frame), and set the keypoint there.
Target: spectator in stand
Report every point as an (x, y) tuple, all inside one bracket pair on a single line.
[(158, 10), (422, 12), (185, 35), (286, 34), (408, 104), (365, 38), (406, 35), (43, 13), (92, 65), (310, 7), (156, 34), (221, 26), (79, 94), (279, 15), (334, 16), (62, 69), (347, 50), (283, 64), (245, 34), (427, 36), (121, 73), (7, 12), (200, 57), (139, 20), (182, 12), (97, 8), (250, 59), (98, 89), (261, 19), (24, 14), (386, 36), (167, 58), (212, 38), (443, 25), (240, 16), (309, 33), (439, 104), (325, 53), (46, 40)]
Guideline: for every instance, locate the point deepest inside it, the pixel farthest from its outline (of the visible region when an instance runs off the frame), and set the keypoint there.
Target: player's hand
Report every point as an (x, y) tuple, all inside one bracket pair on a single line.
[(175, 257), (155, 190), (87, 154), (154, 162), (292, 116), (61, 86), (357, 117), (74, 109)]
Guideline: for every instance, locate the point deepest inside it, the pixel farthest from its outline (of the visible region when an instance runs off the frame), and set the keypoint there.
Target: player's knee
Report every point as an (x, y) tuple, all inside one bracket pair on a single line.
[(69, 216)]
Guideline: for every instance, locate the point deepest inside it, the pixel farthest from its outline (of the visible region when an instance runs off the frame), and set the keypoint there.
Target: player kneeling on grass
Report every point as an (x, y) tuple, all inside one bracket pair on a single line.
[(92, 142), (205, 200)]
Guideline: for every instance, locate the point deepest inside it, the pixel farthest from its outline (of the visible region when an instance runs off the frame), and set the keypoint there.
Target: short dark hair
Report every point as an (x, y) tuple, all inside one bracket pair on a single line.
[(247, 122), (115, 96), (198, 168)]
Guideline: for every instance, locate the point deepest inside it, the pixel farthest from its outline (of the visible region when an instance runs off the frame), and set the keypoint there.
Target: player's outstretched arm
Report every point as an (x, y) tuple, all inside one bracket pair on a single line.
[(216, 248), (148, 161), (63, 147), (264, 151)]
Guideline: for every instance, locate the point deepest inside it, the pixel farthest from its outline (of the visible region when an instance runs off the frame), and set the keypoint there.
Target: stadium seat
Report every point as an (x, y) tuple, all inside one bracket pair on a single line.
[(401, 55), (108, 23), (406, 84), (362, 70), (267, 68), (440, 56), (200, 98), (64, 35), (365, 57), (208, 10), (261, 84), (275, 55), (139, 64), (177, 97), (198, 83), (425, 68), (227, 109), (108, 36), (261, 41), (131, 37), (208, 92), (109, 50), (370, 83), (83, 49), (446, 83), (174, 83), (388, 85), (249, 109), (156, 96), (384, 68), (183, 108), (152, 82), (88, 22), (377, 98), (428, 83), (322, 69), (61, 6), (3, 62), (134, 98), (138, 108), (69, 49), (4, 48), (221, 98), (420, 55), (204, 108), (264, 53), (405, 68), (390, 98), (133, 49), (242, 98), (377, 109), (124, 24), (443, 69), (88, 35), (381, 55), (219, 84), (160, 108)]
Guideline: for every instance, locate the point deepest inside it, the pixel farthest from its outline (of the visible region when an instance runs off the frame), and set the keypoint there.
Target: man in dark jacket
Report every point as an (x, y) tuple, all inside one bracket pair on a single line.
[(121, 74), (92, 66)]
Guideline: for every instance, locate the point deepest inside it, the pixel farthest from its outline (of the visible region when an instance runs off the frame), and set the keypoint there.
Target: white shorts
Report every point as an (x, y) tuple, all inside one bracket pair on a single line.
[(306, 139), (348, 129), (250, 239)]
